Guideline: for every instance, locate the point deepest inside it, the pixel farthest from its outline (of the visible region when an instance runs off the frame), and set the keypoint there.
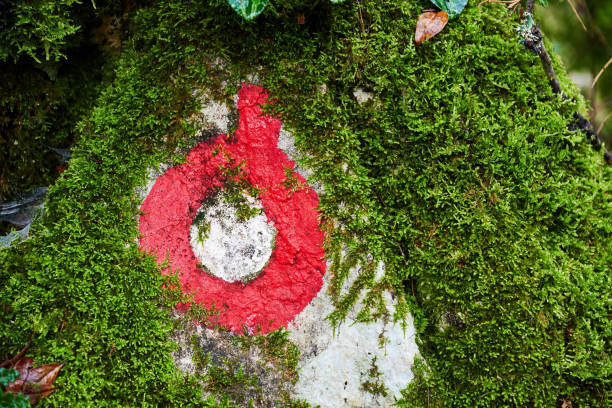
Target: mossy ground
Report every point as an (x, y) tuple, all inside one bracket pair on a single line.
[(460, 175)]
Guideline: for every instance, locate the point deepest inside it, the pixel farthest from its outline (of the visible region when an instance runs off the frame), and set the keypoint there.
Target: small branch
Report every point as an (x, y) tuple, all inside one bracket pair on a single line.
[(603, 122), (536, 44), (583, 124), (601, 71), (532, 39), (361, 16), (12, 361), (571, 3)]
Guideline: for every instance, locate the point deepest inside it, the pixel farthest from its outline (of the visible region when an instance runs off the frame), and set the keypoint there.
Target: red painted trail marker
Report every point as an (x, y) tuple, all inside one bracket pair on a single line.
[(294, 273)]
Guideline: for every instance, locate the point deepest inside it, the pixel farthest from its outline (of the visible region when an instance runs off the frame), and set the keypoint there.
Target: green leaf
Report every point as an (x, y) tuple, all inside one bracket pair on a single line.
[(452, 7), (248, 9), (10, 400), (543, 2), (8, 376)]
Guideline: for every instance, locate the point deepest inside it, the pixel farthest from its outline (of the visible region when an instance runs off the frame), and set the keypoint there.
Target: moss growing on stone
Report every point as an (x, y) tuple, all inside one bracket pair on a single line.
[(460, 174)]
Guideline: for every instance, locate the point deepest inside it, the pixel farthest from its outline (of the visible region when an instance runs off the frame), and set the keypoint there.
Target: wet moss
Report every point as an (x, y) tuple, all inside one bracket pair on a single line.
[(460, 174)]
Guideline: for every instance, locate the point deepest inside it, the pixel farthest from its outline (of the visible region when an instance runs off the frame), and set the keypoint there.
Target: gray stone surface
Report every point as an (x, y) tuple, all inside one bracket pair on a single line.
[(232, 249), (286, 143), (270, 382), (214, 114), (337, 365)]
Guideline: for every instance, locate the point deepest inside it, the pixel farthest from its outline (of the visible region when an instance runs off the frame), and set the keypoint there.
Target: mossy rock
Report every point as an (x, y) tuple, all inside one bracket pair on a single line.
[(460, 174)]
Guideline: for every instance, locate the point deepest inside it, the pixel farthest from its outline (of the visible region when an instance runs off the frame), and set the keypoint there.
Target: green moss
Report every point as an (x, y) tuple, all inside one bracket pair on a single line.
[(54, 62), (374, 385), (460, 175), (81, 288), (39, 110), (291, 182), (246, 370), (236, 186)]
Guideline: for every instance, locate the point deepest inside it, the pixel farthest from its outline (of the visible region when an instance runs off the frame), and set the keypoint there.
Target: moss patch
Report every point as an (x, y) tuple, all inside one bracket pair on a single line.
[(459, 174)]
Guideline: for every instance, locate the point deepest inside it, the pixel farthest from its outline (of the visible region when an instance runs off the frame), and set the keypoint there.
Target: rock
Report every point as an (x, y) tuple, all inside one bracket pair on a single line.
[(335, 368), (230, 248), (201, 350), (362, 96)]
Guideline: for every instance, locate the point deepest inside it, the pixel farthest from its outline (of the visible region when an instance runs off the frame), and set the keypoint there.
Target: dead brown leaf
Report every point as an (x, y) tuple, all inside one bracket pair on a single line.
[(429, 24), (34, 382)]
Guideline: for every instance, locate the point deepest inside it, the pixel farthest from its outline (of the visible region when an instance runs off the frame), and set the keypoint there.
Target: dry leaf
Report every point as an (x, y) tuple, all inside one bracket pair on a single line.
[(429, 24), (34, 382)]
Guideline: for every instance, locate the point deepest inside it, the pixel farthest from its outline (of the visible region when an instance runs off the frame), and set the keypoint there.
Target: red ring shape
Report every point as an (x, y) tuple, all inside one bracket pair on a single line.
[(294, 273)]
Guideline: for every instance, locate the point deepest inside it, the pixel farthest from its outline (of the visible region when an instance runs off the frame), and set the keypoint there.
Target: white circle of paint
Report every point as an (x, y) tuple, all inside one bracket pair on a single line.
[(228, 244)]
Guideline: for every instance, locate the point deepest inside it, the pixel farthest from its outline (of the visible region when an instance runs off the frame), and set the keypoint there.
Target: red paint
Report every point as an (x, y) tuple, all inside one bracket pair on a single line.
[(295, 271)]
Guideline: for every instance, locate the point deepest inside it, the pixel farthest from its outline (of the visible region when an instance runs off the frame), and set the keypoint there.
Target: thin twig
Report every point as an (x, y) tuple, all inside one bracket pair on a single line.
[(540, 49), (571, 3), (11, 361), (601, 71), (360, 16), (601, 125), (533, 40)]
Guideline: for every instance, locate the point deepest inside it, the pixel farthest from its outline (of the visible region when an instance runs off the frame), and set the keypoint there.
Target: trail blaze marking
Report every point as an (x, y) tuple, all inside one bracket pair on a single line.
[(294, 273)]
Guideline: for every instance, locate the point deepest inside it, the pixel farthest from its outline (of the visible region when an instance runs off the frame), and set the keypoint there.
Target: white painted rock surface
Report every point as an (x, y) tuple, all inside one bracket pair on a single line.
[(229, 248), (335, 366)]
